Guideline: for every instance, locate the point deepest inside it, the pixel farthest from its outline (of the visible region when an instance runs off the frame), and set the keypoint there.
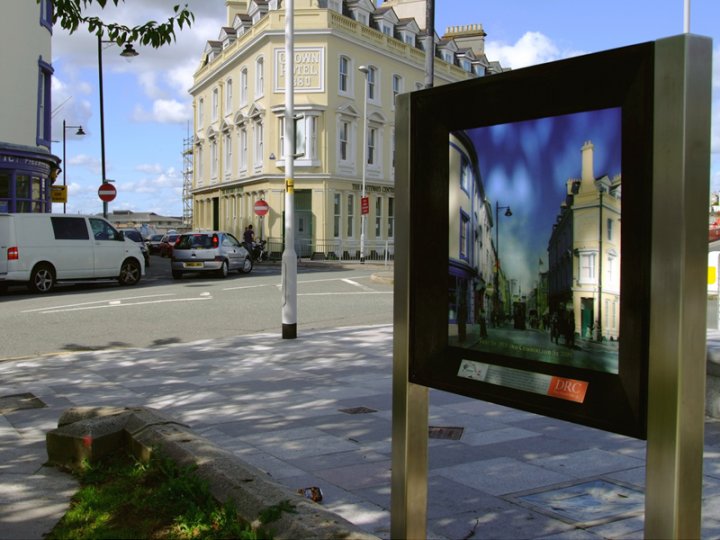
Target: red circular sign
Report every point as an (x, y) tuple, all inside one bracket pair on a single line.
[(261, 208), (107, 192)]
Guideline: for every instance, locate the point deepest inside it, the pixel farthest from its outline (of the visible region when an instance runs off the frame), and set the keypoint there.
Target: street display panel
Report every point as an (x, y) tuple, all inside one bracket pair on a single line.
[(528, 216)]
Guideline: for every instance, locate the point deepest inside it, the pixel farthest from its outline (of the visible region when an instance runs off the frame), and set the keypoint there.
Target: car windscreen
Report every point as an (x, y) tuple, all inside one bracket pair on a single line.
[(195, 241), (133, 235)]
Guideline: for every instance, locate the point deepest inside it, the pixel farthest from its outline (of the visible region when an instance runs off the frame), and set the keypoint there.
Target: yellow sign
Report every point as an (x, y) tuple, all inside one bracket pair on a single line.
[(289, 185), (712, 275), (58, 194)]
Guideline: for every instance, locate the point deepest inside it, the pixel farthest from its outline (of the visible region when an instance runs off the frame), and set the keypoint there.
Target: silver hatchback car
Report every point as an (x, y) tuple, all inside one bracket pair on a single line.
[(214, 251)]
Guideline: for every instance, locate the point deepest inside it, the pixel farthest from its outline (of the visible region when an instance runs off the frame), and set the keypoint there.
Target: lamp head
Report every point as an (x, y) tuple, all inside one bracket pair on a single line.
[(508, 213), (363, 69), (80, 131), (129, 52)]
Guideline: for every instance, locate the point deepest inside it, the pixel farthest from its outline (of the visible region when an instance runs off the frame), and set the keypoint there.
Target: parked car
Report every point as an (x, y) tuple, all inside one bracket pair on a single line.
[(135, 236), (215, 251), (153, 243), (42, 249), (166, 244)]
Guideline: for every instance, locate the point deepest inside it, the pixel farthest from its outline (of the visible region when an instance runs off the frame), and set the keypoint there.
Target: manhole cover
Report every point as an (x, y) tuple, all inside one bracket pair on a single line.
[(17, 402), (450, 433), (357, 410), (589, 501)]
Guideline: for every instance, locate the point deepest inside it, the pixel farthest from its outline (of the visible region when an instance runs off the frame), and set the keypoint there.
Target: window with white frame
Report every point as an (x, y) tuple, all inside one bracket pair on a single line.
[(305, 150), (344, 140), (227, 162), (259, 77), (372, 138), (201, 113), (609, 229), (243, 150), (337, 209), (228, 96), (466, 175), (335, 5), (465, 236), (386, 29), (213, 159), (45, 72), (344, 75), (244, 86), (397, 87), (378, 217), (350, 215), (215, 104), (391, 218), (199, 166), (372, 84), (392, 149), (258, 137), (587, 267)]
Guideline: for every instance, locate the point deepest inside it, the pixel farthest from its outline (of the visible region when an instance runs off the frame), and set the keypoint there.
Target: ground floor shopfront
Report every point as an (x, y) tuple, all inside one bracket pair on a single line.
[(327, 215), (26, 175)]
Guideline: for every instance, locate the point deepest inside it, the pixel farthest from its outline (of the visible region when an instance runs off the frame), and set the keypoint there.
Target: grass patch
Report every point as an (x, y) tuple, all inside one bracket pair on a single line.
[(121, 497)]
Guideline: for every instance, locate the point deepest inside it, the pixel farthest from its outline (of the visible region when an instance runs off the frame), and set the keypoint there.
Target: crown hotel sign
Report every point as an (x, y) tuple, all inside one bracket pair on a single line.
[(309, 70)]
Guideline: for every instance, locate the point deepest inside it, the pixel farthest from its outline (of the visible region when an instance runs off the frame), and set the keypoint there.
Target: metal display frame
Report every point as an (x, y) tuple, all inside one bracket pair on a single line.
[(663, 88)]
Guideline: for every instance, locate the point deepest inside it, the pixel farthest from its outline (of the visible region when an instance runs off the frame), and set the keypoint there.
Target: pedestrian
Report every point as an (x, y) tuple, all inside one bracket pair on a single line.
[(249, 238)]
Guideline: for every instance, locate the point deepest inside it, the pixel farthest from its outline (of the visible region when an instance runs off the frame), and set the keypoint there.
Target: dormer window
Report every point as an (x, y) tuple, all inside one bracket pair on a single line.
[(448, 57)]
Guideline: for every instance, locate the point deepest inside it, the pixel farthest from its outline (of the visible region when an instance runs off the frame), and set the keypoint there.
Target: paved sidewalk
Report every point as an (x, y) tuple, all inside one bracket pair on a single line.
[(316, 411)]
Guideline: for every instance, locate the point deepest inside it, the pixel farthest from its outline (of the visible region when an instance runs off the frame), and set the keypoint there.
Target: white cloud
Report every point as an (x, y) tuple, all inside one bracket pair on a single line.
[(149, 168), (165, 111), (532, 48), (89, 162)]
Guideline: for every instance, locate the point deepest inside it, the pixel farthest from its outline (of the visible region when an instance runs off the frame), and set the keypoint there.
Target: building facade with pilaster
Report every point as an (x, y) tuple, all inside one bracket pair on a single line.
[(27, 166), (239, 107)]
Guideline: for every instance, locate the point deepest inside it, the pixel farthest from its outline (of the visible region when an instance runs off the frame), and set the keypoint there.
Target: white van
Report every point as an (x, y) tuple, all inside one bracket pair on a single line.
[(42, 249)]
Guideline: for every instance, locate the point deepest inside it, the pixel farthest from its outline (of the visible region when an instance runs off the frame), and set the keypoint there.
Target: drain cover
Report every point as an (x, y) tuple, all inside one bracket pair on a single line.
[(357, 410), (450, 433), (589, 501), (17, 402)]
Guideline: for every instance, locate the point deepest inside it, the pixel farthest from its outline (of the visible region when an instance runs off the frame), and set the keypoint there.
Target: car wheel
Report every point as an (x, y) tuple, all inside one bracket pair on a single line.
[(42, 279), (176, 274), (247, 266), (223, 272), (129, 272)]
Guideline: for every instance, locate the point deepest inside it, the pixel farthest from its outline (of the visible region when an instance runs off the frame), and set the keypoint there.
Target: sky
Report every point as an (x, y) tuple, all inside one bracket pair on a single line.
[(148, 110), (525, 166)]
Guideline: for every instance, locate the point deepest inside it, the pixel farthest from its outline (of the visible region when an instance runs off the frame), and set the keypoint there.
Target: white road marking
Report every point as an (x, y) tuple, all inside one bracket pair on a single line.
[(98, 302), (356, 284), (342, 293), (114, 305)]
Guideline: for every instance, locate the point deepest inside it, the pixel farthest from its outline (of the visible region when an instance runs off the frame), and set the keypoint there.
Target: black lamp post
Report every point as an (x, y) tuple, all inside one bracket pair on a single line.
[(78, 132), (508, 213), (128, 52)]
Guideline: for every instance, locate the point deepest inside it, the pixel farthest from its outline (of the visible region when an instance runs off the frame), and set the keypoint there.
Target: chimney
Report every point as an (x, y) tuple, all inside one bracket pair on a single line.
[(468, 36), (235, 7), (588, 174)]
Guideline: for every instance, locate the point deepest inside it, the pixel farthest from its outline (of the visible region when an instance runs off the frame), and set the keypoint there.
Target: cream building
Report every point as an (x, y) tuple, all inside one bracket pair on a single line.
[(584, 253), (239, 106), (27, 166)]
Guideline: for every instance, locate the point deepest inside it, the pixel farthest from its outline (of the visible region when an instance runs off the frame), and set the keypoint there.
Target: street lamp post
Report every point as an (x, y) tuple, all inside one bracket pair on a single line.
[(508, 213), (128, 52), (78, 132), (366, 71)]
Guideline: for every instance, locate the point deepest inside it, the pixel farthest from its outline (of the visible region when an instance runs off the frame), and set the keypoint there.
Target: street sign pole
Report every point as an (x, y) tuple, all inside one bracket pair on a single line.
[(289, 257)]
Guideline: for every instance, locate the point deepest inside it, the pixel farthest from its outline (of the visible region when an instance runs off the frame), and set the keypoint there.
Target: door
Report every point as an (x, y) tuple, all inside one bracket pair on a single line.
[(303, 223), (4, 243), (231, 248), (216, 213), (587, 316), (109, 248)]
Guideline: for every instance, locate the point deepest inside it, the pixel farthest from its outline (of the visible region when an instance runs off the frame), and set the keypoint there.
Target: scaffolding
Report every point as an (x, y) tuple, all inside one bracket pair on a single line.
[(187, 155)]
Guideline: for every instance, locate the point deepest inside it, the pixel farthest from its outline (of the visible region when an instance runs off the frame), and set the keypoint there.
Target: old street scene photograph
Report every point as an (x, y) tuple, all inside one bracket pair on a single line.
[(535, 239)]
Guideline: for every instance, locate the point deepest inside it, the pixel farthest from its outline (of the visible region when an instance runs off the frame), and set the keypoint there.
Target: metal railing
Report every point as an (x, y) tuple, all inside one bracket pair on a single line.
[(334, 250)]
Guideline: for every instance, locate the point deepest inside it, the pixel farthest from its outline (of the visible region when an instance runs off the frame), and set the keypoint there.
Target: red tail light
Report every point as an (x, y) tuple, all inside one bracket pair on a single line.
[(177, 241), (12, 253), (215, 241)]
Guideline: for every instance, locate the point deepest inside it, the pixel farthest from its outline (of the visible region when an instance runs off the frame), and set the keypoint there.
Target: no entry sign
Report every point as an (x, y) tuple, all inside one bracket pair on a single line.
[(261, 208), (107, 192)]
